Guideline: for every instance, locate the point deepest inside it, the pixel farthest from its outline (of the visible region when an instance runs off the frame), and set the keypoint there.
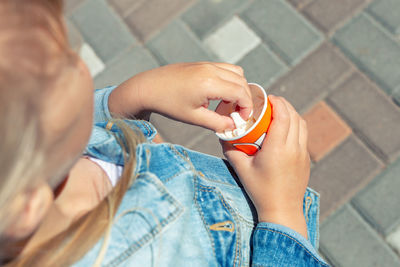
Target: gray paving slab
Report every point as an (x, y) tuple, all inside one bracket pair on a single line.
[(386, 12), (348, 241), (379, 201), (394, 240), (71, 5), (371, 113), (177, 132), (208, 144), (396, 96), (207, 15), (232, 41), (342, 173), (177, 44), (373, 49), (262, 66), (326, 14), (103, 29), (126, 65), (292, 38), (310, 81), (125, 7), (300, 4), (152, 15)]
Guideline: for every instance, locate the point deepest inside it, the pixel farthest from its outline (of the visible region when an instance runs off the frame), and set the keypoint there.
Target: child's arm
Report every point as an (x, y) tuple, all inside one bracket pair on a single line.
[(183, 91), (276, 179)]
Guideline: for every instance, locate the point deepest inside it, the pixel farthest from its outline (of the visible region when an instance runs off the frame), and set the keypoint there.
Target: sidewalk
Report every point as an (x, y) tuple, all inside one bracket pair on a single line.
[(337, 62)]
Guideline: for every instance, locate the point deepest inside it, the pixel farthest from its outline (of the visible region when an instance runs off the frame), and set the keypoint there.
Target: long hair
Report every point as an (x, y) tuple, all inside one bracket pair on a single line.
[(33, 52)]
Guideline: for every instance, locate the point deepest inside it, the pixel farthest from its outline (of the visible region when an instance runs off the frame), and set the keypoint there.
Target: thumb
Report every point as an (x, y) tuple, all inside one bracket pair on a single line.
[(237, 158), (213, 121)]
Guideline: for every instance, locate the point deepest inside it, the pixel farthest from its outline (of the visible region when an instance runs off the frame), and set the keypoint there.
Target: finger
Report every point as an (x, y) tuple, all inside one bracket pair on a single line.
[(303, 135), (233, 77), (235, 93), (212, 120), (239, 160), (279, 128), (293, 134), (234, 68)]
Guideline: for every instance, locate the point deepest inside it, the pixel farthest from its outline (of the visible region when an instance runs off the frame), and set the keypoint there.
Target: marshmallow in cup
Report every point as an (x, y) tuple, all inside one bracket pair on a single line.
[(248, 135)]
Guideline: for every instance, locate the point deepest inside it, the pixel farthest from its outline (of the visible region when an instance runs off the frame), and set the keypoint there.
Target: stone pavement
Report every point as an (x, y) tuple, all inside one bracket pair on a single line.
[(337, 61)]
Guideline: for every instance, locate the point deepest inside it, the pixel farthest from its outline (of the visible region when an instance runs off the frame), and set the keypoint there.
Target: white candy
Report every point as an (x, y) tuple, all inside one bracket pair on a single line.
[(238, 131), (239, 122), (228, 134)]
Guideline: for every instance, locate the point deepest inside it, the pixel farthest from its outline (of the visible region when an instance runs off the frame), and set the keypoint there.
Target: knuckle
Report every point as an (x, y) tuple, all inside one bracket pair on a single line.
[(240, 69)]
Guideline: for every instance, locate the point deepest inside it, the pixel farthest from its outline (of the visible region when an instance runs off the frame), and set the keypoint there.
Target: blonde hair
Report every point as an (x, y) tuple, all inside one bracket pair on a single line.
[(34, 51)]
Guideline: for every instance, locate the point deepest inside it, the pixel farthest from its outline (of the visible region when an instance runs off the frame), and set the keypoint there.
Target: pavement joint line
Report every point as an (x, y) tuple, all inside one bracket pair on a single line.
[(223, 21), (382, 85), (378, 153), (376, 228), (348, 197), (347, 19), (301, 6), (369, 228)]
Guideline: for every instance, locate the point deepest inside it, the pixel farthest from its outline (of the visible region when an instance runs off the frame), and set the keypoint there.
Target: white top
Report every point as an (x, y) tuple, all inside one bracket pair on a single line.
[(112, 170)]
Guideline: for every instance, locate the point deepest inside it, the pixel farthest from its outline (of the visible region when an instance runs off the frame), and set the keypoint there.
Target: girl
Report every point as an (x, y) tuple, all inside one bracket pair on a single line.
[(81, 187)]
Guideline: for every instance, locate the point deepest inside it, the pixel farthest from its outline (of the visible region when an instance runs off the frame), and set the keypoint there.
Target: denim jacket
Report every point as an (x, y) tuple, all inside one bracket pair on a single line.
[(189, 209)]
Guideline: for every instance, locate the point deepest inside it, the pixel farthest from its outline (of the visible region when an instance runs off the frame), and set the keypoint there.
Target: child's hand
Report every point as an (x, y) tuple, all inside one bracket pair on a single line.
[(276, 177), (183, 91)]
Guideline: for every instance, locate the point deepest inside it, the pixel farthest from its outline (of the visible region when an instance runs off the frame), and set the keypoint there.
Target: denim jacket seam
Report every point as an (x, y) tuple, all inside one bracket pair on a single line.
[(143, 240), (202, 218), (248, 222), (216, 181), (293, 239), (234, 215), (156, 229), (176, 175)]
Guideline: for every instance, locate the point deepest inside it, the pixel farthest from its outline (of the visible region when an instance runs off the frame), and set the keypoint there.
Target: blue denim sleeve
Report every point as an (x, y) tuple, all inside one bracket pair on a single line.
[(101, 111), (277, 245)]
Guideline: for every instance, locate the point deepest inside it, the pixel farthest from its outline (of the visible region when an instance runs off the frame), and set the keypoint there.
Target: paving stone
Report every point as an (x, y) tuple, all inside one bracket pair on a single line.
[(232, 41), (177, 132), (371, 113), (208, 144), (349, 241), (372, 49), (71, 5), (394, 239), (300, 4), (262, 66), (126, 65), (125, 7), (176, 44), (206, 15), (292, 38), (93, 62), (396, 96), (326, 130), (326, 14), (102, 29), (345, 170), (151, 15), (387, 12), (309, 81), (379, 201)]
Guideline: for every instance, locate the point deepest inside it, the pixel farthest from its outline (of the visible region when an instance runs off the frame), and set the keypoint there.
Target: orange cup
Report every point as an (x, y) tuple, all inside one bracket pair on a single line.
[(250, 141)]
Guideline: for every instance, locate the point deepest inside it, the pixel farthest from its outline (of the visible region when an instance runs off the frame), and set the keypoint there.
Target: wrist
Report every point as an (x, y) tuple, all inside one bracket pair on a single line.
[(292, 219), (126, 99)]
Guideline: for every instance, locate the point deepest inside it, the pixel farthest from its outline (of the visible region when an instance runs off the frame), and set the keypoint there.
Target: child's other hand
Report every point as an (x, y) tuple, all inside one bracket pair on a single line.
[(276, 177), (182, 91)]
